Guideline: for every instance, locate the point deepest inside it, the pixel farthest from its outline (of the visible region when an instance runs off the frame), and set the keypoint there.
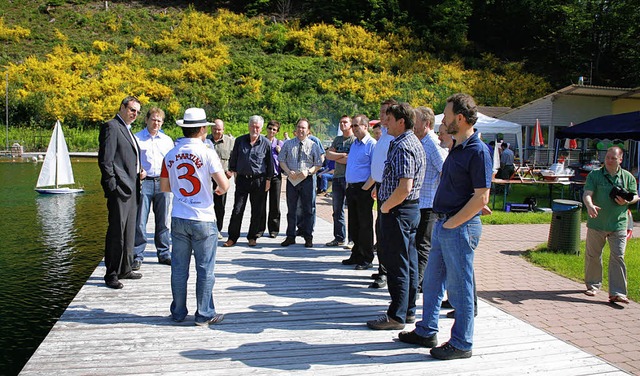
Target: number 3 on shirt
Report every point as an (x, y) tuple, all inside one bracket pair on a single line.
[(189, 175)]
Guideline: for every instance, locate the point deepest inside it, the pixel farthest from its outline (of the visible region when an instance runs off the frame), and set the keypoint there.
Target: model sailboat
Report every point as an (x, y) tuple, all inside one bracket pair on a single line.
[(56, 169)]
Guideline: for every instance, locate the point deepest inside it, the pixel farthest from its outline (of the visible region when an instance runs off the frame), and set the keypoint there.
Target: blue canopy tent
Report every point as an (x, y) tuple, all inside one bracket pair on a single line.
[(613, 127), (624, 126)]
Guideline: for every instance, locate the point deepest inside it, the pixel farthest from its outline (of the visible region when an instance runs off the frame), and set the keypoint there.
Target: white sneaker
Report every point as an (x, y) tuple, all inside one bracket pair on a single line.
[(348, 245), (220, 236)]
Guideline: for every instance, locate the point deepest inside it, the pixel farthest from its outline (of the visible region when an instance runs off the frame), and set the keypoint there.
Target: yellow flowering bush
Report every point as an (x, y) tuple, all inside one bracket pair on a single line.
[(13, 34)]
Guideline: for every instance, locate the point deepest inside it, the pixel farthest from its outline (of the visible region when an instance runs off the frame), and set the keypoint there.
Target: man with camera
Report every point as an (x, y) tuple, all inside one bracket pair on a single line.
[(607, 194)]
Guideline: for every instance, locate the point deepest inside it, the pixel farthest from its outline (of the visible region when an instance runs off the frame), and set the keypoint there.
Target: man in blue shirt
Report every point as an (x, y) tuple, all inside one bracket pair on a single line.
[(435, 159), (399, 217), (461, 195), (359, 200)]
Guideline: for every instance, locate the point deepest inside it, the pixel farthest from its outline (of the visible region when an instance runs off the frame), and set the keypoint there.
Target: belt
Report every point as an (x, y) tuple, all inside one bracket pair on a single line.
[(252, 176), (445, 216), (154, 178), (405, 202), (355, 185)]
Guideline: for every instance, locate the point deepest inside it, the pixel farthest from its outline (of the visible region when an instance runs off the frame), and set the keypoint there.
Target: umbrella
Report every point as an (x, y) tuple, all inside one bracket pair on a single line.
[(536, 140)]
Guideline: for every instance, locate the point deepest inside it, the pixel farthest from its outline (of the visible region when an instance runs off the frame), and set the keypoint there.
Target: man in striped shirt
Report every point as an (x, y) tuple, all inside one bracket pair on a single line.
[(400, 215), (435, 158)]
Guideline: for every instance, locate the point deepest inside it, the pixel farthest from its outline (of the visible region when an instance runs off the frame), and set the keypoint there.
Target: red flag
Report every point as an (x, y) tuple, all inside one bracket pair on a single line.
[(536, 139)]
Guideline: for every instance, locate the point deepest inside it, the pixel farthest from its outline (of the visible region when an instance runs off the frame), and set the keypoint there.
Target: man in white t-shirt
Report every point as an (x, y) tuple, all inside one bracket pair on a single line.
[(187, 171)]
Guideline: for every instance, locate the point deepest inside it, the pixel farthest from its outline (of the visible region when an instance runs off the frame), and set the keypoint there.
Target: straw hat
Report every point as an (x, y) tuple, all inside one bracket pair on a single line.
[(194, 117)]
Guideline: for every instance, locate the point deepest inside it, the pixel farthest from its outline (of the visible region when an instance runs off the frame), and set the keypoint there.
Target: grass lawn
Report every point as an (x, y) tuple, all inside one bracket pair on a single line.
[(572, 266)]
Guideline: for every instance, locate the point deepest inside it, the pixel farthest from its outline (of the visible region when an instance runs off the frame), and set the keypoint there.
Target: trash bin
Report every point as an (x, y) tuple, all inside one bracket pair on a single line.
[(564, 233)]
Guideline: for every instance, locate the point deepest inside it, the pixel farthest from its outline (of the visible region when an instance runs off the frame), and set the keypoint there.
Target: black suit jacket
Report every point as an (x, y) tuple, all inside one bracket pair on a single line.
[(117, 160)]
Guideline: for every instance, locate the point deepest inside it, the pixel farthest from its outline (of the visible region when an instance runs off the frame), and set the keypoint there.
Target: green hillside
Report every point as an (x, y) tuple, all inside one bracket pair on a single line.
[(76, 60)]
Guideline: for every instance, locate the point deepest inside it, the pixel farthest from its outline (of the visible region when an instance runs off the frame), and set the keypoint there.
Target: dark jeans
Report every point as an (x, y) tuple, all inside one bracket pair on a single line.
[(219, 202), (272, 221), (360, 205), (338, 196), (423, 240), (379, 249), (399, 228), (253, 189), (301, 197)]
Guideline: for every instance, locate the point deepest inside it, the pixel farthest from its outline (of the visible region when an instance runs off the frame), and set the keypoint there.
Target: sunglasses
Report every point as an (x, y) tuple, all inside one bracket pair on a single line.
[(272, 129), (137, 112)]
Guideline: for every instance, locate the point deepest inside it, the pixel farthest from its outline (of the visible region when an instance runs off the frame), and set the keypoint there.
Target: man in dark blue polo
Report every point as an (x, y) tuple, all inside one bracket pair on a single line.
[(399, 194), (251, 164), (461, 195), (359, 200)]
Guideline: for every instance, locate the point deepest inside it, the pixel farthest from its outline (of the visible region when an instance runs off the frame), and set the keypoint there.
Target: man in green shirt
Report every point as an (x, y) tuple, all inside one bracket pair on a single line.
[(608, 222)]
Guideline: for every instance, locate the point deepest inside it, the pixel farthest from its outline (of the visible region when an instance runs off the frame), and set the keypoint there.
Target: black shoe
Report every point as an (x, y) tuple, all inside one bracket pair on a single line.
[(136, 265), (166, 261), (410, 320), (445, 304), (308, 242), (335, 243), (288, 241), (273, 235), (114, 284), (448, 352), (415, 339), (375, 275), (364, 266), (349, 261), (379, 283), (130, 275)]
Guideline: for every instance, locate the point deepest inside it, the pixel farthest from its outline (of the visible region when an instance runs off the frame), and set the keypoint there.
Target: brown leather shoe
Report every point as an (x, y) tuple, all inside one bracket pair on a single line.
[(252, 243), (229, 243)]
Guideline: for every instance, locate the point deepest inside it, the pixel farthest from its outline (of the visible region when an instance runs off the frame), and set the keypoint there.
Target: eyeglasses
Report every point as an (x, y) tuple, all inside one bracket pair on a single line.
[(137, 112), (272, 129)]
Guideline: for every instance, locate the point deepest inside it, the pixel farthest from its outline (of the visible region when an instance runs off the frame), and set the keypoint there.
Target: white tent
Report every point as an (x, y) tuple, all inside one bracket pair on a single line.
[(487, 124)]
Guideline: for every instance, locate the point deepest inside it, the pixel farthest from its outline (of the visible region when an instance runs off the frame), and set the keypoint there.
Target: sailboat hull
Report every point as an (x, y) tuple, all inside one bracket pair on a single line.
[(57, 191)]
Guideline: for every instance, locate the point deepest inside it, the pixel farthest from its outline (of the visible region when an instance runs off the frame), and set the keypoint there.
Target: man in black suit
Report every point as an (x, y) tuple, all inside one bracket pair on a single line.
[(119, 161)]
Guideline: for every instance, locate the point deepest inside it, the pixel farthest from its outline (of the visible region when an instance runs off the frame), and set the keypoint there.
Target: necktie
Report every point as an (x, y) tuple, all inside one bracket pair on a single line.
[(300, 156)]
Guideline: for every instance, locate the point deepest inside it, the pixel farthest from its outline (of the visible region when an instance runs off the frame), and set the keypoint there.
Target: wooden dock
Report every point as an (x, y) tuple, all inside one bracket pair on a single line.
[(288, 310)]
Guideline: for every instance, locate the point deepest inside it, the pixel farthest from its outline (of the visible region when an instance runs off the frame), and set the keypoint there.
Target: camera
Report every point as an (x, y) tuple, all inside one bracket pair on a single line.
[(617, 191)]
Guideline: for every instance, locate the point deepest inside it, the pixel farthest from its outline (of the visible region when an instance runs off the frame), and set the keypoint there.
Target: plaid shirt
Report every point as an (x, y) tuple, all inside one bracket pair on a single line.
[(300, 159), (435, 158), (405, 160)]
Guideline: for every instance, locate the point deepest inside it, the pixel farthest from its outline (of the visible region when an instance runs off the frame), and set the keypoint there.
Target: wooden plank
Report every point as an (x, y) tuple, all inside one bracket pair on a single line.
[(288, 310)]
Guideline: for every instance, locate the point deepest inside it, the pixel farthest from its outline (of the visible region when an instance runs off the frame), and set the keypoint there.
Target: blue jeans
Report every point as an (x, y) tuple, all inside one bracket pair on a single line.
[(301, 207), (151, 194), (201, 238), (338, 196), (400, 258), (324, 181), (451, 265)]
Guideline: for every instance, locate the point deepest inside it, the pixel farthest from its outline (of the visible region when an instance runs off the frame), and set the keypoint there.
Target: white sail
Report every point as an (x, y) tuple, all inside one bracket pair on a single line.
[(56, 168)]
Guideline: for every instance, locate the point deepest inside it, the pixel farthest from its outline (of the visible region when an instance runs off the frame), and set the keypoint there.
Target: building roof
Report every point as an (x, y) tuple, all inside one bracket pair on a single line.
[(614, 93), (493, 111)]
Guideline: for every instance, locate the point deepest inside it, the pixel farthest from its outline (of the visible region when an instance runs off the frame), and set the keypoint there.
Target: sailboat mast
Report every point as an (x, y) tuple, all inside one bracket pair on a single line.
[(56, 130)]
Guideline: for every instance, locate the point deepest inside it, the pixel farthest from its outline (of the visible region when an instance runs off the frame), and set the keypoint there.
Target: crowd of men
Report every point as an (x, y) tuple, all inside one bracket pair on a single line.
[(430, 191)]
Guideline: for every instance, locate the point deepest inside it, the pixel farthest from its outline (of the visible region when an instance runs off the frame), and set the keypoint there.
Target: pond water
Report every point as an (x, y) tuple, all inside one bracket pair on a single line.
[(49, 246)]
